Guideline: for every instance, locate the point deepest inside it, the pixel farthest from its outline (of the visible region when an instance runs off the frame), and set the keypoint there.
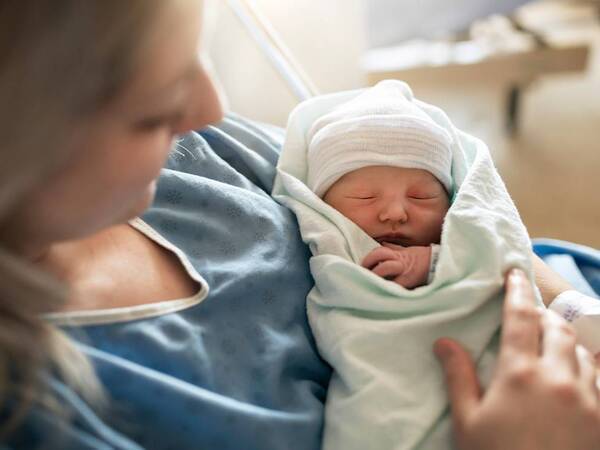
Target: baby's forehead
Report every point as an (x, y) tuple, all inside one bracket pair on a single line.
[(386, 175)]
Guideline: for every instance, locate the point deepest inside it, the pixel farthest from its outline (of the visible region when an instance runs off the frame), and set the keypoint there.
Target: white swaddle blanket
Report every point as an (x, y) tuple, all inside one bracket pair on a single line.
[(387, 389)]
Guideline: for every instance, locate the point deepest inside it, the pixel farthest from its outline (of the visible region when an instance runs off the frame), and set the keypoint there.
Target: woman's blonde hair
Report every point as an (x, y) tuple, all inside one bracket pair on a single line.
[(59, 61)]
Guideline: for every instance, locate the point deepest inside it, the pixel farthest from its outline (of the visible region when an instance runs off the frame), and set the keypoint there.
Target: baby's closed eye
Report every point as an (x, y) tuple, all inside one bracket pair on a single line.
[(361, 194), (423, 195), (357, 197)]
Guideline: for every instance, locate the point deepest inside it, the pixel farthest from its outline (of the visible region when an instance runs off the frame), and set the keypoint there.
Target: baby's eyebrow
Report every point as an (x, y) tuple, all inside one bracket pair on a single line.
[(419, 183), (427, 185), (423, 179)]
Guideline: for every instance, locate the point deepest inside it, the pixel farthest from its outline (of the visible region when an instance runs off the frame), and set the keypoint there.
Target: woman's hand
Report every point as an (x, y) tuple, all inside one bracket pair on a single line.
[(543, 395)]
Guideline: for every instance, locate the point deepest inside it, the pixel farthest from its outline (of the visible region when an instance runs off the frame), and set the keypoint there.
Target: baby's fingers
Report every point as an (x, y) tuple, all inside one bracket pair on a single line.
[(390, 269), (377, 256), (393, 246)]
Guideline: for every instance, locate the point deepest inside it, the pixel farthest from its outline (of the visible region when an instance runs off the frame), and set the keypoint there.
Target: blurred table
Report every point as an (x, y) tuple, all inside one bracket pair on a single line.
[(513, 52)]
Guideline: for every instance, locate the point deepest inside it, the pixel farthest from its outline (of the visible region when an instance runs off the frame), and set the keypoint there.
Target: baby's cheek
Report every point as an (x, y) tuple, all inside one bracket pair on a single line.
[(363, 218), (436, 224), (429, 226)]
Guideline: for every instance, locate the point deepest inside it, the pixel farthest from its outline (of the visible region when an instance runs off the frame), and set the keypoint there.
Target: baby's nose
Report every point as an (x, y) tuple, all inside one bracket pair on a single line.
[(394, 212)]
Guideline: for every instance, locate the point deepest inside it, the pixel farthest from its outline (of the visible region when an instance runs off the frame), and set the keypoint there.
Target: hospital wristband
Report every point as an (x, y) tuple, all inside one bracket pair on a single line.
[(583, 312), (435, 256)]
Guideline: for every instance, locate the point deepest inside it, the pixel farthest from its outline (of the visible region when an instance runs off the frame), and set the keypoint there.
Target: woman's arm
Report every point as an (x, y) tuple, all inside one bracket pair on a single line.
[(548, 281), (543, 395)]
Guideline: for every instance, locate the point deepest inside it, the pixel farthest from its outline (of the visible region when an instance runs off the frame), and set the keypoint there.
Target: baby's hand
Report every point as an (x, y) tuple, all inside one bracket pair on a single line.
[(407, 266)]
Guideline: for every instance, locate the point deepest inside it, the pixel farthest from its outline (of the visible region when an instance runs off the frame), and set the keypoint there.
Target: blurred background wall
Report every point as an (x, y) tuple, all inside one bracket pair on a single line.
[(551, 166)]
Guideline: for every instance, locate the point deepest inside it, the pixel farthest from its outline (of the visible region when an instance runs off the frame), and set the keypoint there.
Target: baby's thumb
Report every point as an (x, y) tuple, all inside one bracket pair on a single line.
[(462, 383)]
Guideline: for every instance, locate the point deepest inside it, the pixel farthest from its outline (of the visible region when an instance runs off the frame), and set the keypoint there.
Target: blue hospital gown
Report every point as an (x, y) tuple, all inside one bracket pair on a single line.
[(238, 370)]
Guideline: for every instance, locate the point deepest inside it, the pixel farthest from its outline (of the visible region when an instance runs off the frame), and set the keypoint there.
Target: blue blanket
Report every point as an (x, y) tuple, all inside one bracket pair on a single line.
[(578, 264)]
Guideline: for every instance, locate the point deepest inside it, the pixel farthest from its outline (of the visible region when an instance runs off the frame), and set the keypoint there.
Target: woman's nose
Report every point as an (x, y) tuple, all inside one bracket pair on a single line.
[(204, 106), (394, 212)]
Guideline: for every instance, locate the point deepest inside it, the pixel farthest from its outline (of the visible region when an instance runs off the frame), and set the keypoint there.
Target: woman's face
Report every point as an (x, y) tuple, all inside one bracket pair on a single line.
[(120, 151)]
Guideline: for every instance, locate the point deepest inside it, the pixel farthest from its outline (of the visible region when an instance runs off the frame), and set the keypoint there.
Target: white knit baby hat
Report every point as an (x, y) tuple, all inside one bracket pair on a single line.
[(380, 127)]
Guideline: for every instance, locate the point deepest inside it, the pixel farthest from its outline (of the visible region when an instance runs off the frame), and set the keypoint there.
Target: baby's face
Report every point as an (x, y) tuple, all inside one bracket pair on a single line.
[(393, 204)]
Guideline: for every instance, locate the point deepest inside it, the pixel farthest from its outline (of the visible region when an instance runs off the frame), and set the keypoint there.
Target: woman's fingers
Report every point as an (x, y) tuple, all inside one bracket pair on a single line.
[(587, 372), (559, 346), (462, 383), (521, 325), (555, 386)]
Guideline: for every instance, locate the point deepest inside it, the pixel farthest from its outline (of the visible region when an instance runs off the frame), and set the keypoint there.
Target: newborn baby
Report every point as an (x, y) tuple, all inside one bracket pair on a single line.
[(378, 178), (385, 165)]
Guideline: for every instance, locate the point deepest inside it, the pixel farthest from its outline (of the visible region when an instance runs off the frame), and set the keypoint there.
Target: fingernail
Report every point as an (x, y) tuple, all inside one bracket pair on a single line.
[(442, 350), (516, 274)]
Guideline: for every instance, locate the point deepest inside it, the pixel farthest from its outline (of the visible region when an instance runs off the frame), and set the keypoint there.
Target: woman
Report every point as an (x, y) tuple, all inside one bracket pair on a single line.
[(92, 95)]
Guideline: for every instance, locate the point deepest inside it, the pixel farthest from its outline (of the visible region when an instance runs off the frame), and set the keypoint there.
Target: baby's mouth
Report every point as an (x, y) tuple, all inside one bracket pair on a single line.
[(394, 239)]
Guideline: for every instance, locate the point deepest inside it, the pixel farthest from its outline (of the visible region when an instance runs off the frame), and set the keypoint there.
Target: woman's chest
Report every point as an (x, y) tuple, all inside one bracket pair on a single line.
[(139, 273)]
